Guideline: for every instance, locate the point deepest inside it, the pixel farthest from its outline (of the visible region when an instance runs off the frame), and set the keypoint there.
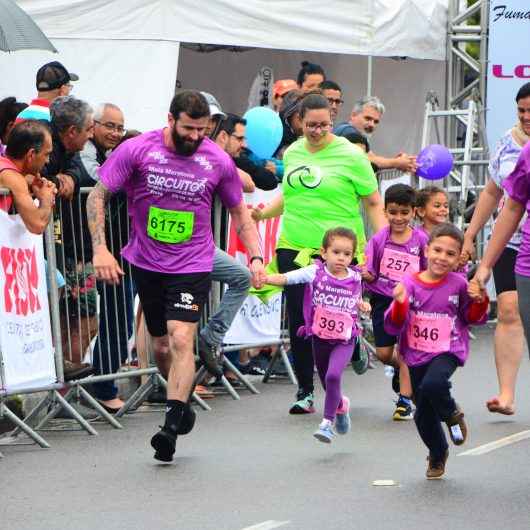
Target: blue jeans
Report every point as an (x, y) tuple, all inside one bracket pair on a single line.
[(226, 270), (116, 320)]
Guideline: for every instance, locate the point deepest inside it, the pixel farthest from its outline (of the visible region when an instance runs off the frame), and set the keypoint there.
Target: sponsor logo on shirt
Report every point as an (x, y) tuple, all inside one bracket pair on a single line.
[(415, 250), (453, 299), (203, 161), (307, 176), (158, 156)]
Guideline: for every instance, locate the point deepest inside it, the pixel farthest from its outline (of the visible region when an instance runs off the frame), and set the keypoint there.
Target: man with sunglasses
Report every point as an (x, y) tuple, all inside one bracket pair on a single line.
[(333, 93), (171, 177)]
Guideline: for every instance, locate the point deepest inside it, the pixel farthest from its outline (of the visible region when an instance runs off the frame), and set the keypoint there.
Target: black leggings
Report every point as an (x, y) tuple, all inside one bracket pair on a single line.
[(301, 348)]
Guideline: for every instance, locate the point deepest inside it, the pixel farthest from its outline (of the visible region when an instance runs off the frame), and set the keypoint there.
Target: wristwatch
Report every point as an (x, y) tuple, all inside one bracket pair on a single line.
[(256, 257)]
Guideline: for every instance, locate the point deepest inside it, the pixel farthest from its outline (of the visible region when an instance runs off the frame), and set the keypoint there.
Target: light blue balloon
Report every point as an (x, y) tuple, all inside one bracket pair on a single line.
[(264, 131)]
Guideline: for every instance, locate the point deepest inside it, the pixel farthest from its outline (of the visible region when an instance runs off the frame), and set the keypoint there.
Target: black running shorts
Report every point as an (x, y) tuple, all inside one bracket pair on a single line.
[(170, 297), (504, 271), (380, 304)]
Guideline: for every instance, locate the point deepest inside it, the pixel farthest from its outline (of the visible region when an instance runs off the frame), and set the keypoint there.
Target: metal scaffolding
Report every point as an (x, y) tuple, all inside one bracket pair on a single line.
[(460, 122)]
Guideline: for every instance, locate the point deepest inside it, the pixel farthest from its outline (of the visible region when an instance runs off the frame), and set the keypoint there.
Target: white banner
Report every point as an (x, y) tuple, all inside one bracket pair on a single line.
[(25, 334), (508, 63), (256, 322)]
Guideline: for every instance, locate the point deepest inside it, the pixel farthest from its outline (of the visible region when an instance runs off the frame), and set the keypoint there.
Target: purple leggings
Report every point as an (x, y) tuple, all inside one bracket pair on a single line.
[(331, 360)]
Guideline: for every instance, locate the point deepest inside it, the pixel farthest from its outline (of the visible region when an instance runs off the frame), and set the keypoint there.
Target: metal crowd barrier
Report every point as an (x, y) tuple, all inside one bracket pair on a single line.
[(97, 323)]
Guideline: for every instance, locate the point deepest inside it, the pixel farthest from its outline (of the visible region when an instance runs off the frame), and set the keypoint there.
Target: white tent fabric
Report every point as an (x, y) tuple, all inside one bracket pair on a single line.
[(123, 72), (414, 28), (127, 51)]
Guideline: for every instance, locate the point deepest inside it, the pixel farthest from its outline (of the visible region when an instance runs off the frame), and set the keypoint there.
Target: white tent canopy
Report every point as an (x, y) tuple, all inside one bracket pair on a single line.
[(126, 51), (414, 28)]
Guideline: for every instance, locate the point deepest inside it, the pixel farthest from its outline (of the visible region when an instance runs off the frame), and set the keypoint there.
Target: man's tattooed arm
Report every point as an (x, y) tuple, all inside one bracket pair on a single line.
[(95, 209)]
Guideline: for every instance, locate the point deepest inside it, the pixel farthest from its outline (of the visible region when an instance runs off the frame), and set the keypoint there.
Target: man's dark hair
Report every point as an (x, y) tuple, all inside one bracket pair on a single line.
[(401, 194), (309, 69), (26, 135), (228, 124), (357, 138), (9, 110), (523, 92), (447, 230), (191, 102), (328, 84), (313, 102), (68, 111)]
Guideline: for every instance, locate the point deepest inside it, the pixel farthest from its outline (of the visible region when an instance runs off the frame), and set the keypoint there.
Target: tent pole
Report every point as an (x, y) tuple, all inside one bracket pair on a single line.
[(369, 76)]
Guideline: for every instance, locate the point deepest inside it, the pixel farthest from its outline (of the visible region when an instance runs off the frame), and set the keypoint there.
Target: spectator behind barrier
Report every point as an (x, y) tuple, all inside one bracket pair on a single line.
[(28, 149), (9, 109), (279, 89), (310, 76), (333, 93), (290, 116), (116, 306), (53, 80), (231, 138), (72, 125), (365, 118)]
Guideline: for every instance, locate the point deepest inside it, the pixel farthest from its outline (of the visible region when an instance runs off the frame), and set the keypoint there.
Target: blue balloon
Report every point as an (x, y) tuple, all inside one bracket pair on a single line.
[(264, 131)]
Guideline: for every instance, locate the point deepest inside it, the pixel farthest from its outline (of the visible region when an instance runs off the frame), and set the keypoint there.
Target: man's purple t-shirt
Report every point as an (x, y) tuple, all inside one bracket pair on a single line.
[(374, 252), (517, 186), (154, 176), (447, 298)]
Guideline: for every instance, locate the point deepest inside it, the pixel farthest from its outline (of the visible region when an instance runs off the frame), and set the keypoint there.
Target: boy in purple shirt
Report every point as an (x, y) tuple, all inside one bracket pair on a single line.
[(332, 301), (392, 253), (431, 313)]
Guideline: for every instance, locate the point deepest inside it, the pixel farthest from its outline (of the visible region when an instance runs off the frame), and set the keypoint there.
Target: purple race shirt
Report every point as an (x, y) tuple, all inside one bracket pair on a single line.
[(443, 302), (517, 186), (153, 176), (389, 261), (325, 291)]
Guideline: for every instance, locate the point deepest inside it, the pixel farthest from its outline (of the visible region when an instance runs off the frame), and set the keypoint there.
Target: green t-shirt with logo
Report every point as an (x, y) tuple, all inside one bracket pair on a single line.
[(322, 190)]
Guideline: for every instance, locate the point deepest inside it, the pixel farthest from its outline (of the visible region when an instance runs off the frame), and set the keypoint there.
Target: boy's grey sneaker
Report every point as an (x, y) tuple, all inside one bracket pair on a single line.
[(362, 363)]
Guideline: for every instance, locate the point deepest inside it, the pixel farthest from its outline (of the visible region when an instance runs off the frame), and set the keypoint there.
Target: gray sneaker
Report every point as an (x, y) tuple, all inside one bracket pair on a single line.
[(208, 353), (361, 365)]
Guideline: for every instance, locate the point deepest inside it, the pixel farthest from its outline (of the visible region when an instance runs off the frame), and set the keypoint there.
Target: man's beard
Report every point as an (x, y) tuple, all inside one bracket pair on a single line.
[(184, 147)]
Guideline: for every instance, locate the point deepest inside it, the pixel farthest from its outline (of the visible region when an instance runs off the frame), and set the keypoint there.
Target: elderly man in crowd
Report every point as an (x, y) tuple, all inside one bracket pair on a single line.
[(72, 126), (365, 118), (28, 149), (116, 304)]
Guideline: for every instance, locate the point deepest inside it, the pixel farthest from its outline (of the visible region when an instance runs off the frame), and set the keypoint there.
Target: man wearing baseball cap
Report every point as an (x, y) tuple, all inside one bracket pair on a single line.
[(53, 80), (216, 115)]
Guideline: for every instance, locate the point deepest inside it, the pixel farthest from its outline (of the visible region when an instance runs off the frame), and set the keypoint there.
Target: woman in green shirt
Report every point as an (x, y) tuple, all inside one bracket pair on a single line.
[(325, 180)]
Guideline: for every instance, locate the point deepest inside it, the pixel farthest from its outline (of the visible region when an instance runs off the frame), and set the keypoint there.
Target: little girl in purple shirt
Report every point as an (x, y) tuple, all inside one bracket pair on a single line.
[(431, 314), (332, 301)]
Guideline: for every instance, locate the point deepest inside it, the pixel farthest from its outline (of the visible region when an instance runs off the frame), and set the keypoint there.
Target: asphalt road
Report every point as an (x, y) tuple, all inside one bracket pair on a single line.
[(249, 465)]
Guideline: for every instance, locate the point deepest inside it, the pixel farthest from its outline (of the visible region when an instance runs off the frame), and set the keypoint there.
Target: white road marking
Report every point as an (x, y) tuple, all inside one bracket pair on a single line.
[(267, 525), (497, 444), (384, 482)]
